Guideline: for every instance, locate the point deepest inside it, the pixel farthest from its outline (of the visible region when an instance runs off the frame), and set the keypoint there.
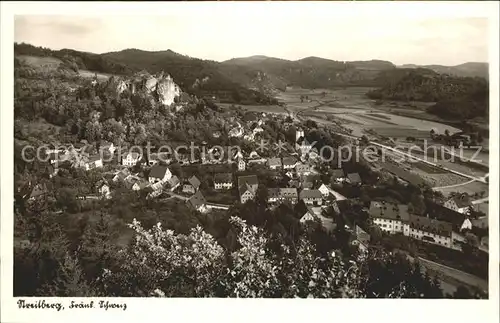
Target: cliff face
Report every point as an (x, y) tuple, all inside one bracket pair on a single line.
[(161, 87)]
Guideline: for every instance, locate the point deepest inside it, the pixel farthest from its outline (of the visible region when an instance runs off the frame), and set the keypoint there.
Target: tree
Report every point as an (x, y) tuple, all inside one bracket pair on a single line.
[(417, 203)]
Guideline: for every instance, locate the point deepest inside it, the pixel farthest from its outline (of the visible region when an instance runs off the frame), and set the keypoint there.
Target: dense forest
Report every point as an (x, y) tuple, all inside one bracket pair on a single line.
[(457, 98), (194, 76)]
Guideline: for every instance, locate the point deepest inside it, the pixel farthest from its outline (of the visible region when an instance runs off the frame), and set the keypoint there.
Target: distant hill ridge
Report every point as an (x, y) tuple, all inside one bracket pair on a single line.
[(469, 69), (252, 78)]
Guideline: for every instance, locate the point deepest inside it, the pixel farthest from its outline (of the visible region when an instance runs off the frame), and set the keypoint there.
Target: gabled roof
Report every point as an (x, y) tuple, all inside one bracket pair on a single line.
[(248, 179), (337, 173), (362, 236), (94, 158), (302, 167), (310, 194), (274, 162), (158, 171), (223, 178), (282, 192), (442, 213), (133, 155), (197, 200), (354, 178), (389, 211), (289, 161), (193, 180), (430, 225), (174, 180)]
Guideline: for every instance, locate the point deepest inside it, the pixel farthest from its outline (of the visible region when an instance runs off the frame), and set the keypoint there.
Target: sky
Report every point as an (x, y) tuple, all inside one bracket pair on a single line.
[(226, 34)]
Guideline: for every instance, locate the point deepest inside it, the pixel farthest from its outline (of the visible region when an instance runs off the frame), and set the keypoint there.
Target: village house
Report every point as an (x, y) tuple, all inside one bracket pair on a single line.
[(354, 178), (247, 186), (302, 169), (274, 163), (93, 162), (131, 159), (241, 164), (430, 230), (198, 202), (192, 185), (308, 215), (394, 218), (289, 162), (303, 146), (103, 189), (307, 182), (236, 131), (173, 183), (313, 197), (282, 194), (135, 184), (338, 176), (461, 204), (325, 190), (223, 181), (159, 174), (253, 155), (391, 218), (460, 222)]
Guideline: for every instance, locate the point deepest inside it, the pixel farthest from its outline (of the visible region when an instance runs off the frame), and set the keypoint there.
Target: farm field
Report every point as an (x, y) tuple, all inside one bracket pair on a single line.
[(36, 61), (469, 187), (358, 113), (90, 74)]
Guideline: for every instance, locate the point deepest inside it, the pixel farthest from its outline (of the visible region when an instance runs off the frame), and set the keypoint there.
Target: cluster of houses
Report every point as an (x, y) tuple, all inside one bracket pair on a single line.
[(444, 225)]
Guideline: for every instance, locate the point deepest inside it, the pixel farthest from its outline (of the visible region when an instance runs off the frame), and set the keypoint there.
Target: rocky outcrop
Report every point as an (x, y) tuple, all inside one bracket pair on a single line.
[(161, 86)]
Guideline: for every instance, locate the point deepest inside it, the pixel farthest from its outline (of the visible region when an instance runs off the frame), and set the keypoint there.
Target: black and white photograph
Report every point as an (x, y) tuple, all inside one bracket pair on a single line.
[(262, 150)]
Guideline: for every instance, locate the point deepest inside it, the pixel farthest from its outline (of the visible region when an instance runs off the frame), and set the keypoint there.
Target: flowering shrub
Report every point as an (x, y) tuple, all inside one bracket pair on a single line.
[(164, 264)]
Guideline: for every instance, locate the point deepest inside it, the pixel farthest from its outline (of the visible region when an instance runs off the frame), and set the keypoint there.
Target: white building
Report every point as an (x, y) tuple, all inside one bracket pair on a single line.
[(460, 204), (309, 215), (324, 190), (131, 159), (391, 218), (282, 194), (241, 164), (247, 186), (311, 196), (93, 162), (223, 181)]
